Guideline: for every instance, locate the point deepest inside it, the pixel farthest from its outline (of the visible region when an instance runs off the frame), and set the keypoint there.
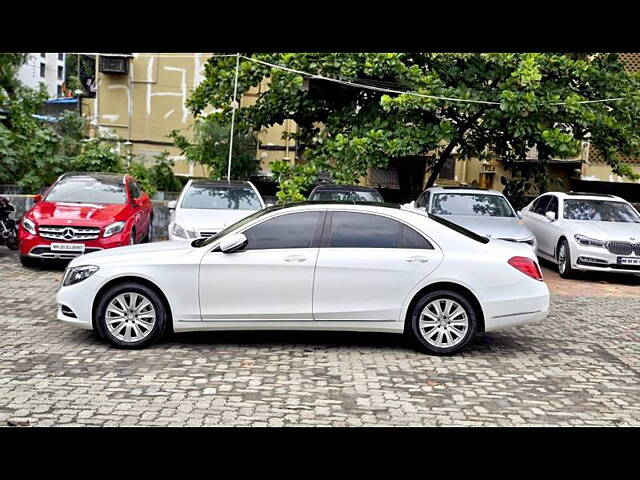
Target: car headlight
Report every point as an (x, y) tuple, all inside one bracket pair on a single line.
[(181, 232), (29, 226), (589, 242), (75, 275), (114, 228)]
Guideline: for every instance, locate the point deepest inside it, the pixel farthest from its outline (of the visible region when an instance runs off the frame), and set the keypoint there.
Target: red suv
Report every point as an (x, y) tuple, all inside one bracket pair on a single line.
[(82, 213)]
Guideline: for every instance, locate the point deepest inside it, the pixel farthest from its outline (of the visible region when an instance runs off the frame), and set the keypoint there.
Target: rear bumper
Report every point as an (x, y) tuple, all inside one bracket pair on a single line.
[(514, 305)]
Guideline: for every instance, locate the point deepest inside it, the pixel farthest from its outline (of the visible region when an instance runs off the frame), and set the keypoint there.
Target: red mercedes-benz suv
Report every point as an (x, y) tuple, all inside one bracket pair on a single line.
[(82, 213)]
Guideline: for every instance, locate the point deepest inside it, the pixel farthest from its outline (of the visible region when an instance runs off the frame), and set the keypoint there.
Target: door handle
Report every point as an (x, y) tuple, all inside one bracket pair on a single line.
[(295, 258), (417, 258)]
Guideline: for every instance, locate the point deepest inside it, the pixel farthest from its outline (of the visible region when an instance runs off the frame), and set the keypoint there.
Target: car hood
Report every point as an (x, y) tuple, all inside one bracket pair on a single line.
[(53, 213), (629, 232), (134, 254), (197, 219), (492, 227)]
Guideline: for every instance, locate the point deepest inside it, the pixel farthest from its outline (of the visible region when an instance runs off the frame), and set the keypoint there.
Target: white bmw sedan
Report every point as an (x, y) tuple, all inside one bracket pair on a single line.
[(585, 231), (311, 267)]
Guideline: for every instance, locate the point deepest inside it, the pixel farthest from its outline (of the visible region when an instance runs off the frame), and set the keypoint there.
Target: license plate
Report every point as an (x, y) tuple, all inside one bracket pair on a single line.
[(628, 261), (67, 247)]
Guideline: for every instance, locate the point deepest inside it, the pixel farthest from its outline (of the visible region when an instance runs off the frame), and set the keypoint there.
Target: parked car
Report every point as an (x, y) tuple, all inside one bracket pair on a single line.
[(311, 266), (349, 193), (82, 213), (485, 212), (206, 207), (585, 231)]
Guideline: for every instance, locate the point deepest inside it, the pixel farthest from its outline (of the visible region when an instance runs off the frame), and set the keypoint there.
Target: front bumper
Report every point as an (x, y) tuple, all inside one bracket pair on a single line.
[(597, 259), (38, 247), (75, 302)]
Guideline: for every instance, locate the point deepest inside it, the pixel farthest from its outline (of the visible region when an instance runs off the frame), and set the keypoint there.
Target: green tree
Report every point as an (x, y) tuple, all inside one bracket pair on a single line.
[(536, 103), (210, 148)]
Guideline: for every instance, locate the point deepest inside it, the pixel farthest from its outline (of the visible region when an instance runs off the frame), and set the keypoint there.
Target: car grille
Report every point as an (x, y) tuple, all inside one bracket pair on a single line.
[(622, 248), (68, 233), (207, 234)]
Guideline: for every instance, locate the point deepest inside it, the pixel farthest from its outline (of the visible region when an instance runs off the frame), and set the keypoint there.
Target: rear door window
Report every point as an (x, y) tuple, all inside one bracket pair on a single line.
[(541, 205)]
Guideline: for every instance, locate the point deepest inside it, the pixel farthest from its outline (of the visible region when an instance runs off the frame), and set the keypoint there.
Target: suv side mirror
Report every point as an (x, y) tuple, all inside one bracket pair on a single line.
[(171, 205), (37, 198), (233, 243), (550, 215), (519, 213)]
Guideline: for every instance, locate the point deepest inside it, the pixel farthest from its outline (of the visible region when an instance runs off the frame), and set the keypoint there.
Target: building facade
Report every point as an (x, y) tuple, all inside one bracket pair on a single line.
[(47, 68), (139, 98)]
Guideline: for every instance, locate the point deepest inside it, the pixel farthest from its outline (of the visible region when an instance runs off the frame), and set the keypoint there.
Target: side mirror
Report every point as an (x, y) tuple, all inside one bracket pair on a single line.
[(519, 213), (233, 243), (550, 215), (37, 198), (171, 205)]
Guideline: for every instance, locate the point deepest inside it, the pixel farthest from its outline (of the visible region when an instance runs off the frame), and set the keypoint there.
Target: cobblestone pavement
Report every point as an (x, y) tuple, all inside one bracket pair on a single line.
[(579, 367)]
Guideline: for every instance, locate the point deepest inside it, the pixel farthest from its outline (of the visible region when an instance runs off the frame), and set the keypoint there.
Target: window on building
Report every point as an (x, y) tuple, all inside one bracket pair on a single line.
[(43, 55), (59, 91), (43, 69), (59, 73), (61, 56), (448, 171)]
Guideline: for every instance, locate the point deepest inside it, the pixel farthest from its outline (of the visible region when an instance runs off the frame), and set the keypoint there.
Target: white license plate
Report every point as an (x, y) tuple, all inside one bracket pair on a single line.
[(628, 261), (67, 247)]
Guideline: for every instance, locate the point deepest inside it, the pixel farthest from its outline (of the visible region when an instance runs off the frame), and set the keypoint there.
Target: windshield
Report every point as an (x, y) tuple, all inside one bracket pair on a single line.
[(220, 197), (358, 196), (600, 210), (87, 191), (471, 204)]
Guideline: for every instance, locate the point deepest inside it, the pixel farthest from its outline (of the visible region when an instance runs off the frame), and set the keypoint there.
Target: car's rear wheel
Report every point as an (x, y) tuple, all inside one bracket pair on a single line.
[(564, 260), (443, 322), (29, 262), (131, 315)]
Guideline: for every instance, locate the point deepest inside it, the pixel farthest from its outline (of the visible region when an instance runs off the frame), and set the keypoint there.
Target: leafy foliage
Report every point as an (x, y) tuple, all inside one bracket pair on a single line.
[(210, 148), (294, 180), (351, 129)]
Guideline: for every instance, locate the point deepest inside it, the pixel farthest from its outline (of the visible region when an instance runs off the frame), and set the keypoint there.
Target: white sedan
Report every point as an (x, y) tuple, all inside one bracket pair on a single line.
[(311, 267), (585, 231)]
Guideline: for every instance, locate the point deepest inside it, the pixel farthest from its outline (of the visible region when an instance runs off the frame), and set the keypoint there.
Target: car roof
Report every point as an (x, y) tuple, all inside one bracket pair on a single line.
[(99, 176), (336, 203), (462, 189), (586, 195), (218, 183), (344, 188)]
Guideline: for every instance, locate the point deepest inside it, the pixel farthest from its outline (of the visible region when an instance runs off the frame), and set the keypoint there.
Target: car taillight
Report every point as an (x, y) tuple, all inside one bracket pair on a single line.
[(526, 266)]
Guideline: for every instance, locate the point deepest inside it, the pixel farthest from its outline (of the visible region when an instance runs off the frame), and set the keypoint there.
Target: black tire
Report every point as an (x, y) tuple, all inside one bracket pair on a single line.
[(149, 237), (563, 256), (420, 340), (30, 262), (156, 332)]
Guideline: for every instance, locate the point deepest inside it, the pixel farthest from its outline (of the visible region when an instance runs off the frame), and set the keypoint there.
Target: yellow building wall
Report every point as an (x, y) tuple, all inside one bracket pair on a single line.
[(145, 105)]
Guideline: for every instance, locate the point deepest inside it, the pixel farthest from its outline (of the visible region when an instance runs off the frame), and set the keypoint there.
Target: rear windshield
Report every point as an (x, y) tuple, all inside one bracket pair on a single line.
[(214, 197), (471, 204), (349, 196), (459, 229), (87, 190)]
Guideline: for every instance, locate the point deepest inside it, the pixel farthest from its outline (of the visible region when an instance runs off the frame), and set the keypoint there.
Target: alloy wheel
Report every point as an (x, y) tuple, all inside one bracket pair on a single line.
[(443, 323), (562, 258), (130, 317)]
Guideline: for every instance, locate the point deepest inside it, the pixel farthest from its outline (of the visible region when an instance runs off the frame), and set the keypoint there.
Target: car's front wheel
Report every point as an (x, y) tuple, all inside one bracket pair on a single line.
[(131, 315), (564, 260), (443, 322)]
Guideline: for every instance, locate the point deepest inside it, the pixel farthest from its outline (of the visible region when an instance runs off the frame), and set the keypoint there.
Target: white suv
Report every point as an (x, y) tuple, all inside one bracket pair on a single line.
[(585, 231), (206, 207)]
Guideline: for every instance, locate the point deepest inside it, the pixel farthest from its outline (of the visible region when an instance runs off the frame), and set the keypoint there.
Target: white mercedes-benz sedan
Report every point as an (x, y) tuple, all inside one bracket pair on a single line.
[(311, 266), (585, 231)]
